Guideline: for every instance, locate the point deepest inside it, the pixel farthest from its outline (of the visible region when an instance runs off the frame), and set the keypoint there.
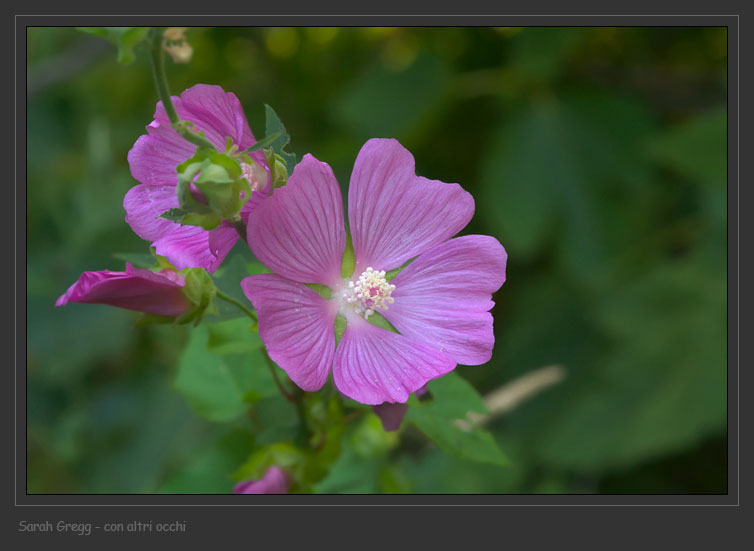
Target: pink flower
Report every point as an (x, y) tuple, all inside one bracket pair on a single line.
[(141, 290), (274, 481), (439, 303), (154, 158)]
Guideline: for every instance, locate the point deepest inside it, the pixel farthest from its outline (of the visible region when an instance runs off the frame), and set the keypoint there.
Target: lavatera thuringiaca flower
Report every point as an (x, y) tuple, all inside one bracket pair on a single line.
[(153, 161), (383, 337)]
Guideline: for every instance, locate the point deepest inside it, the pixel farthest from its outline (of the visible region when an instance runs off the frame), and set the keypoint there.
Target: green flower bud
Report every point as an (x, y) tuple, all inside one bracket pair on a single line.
[(200, 291)]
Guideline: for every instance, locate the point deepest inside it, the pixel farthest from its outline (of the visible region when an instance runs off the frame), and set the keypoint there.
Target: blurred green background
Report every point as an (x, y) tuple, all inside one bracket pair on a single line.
[(597, 156)]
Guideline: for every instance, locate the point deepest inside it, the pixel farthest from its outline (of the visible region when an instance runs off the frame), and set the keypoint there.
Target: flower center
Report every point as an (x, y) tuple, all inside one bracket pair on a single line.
[(255, 174), (369, 293)]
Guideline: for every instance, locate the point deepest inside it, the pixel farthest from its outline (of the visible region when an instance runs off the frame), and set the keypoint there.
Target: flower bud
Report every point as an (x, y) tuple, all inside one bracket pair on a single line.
[(158, 293), (176, 45), (181, 52), (200, 290), (274, 481), (175, 34), (392, 415), (280, 172)]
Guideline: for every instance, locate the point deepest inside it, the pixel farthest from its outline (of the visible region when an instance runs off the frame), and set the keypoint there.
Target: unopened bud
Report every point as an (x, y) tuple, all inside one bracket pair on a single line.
[(181, 52), (176, 45), (175, 34), (280, 173)]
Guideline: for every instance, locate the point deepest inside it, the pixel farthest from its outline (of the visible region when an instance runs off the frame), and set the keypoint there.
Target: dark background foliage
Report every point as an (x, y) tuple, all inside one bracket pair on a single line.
[(597, 156)]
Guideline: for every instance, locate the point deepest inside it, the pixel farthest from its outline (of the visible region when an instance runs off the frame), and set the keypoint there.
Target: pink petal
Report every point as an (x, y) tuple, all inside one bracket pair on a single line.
[(221, 241), (183, 246), (373, 365), (296, 325), (396, 215), (215, 112), (189, 247), (154, 157), (443, 297), (144, 204), (140, 290), (274, 481), (299, 232)]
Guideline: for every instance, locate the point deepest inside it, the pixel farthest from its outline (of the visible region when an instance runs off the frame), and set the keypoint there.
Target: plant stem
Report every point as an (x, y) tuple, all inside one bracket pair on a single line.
[(160, 79), (240, 227), (288, 396), (163, 92), (237, 304), (353, 415)]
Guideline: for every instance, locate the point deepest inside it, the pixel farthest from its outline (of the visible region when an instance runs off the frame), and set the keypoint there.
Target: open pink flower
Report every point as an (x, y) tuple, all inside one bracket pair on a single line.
[(439, 303), (274, 481), (153, 161), (141, 290)]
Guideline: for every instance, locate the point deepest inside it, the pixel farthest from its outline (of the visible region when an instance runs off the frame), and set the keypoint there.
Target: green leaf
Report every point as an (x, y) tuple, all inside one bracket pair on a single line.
[(395, 271), (379, 320), (207, 382), (696, 148), (208, 471), (358, 465), (350, 474), (222, 371), (452, 399), (340, 327), (126, 39), (560, 171), (322, 290), (436, 472), (370, 439), (348, 263), (275, 127), (266, 141), (234, 336), (518, 195), (277, 416), (175, 214), (660, 385)]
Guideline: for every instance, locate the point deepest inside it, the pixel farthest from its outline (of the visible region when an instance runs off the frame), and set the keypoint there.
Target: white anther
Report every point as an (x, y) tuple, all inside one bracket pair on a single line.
[(369, 293)]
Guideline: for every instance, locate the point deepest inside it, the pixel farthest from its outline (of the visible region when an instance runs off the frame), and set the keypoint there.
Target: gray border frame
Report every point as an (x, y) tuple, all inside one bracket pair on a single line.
[(204, 501)]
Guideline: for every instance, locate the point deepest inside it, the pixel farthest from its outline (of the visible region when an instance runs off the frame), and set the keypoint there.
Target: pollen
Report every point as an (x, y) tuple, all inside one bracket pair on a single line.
[(370, 293)]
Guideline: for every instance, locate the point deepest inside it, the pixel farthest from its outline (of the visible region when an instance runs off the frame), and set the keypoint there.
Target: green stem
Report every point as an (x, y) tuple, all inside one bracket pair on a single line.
[(160, 78), (288, 396), (240, 227), (163, 92), (355, 414), (237, 304)]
